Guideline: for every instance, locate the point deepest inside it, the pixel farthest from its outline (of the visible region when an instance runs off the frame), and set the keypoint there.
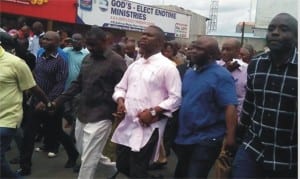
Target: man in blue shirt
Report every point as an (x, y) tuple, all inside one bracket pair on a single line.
[(51, 72), (59, 51), (75, 55), (207, 112)]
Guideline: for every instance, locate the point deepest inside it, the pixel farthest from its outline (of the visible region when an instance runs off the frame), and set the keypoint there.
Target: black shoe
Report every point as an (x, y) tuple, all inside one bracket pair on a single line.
[(157, 166), (15, 160), (71, 163), (23, 172), (76, 168)]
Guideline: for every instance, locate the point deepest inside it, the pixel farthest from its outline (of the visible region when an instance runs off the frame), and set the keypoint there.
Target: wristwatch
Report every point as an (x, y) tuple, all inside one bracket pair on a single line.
[(49, 105), (152, 112)]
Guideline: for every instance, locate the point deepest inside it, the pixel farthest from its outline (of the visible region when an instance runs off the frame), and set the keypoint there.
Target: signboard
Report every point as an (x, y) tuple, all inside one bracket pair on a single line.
[(59, 10), (127, 15)]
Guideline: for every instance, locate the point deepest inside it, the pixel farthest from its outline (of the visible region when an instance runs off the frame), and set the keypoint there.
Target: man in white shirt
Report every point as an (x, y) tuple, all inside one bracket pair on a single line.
[(34, 43), (148, 93)]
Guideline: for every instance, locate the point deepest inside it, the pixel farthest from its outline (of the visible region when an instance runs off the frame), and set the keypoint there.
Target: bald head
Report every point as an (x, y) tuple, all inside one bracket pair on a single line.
[(290, 20), (282, 35), (233, 42), (37, 28), (204, 50), (212, 46), (50, 41), (53, 35), (26, 31), (230, 49)]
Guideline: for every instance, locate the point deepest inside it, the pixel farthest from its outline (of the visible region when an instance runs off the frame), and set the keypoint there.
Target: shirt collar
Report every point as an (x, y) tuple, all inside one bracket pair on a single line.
[(204, 67), (80, 51), (42, 34), (222, 63), (294, 59), (151, 58), (53, 55)]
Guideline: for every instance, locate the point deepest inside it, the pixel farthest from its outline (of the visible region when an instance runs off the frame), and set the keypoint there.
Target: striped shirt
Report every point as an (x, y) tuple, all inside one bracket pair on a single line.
[(270, 112), (51, 74)]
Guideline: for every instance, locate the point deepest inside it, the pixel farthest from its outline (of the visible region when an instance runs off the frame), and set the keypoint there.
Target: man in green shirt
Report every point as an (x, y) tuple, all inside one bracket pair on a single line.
[(15, 77)]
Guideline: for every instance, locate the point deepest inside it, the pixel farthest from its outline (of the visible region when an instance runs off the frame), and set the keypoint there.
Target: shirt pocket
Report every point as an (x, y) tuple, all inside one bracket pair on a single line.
[(151, 76)]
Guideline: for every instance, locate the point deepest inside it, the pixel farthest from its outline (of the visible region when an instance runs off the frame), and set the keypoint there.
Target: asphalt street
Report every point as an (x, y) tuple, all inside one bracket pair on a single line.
[(44, 167)]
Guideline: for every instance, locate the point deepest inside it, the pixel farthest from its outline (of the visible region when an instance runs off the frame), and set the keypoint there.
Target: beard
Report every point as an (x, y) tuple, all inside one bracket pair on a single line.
[(200, 60)]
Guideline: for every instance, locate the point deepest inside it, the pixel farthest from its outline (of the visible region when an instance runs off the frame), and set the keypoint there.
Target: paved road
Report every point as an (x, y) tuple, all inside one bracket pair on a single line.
[(44, 167)]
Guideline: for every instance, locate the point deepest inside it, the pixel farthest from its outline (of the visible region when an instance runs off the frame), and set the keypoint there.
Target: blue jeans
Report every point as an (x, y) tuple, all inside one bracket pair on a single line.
[(6, 136), (245, 166), (196, 160)]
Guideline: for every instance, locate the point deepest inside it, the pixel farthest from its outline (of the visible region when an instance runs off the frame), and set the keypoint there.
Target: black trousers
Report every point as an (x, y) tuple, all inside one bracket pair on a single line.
[(54, 135), (135, 164)]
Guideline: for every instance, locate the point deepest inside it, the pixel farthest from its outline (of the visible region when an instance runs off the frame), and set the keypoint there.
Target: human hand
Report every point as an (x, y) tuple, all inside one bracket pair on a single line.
[(145, 118), (121, 106), (232, 66), (119, 115), (121, 110), (40, 106), (68, 125), (51, 108), (229, 143)]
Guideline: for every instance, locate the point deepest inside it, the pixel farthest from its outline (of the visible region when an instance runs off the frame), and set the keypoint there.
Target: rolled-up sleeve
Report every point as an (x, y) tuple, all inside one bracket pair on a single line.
[(173, 87), (121, 87)]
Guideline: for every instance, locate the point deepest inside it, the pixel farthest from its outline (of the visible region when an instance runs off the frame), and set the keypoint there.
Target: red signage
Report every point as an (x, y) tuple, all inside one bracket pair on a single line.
[(59, 10)]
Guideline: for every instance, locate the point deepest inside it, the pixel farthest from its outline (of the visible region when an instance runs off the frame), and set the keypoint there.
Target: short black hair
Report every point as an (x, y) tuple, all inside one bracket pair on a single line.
[(292, 21), (97, 31), (161, 33), (172, 46), (7, 41)]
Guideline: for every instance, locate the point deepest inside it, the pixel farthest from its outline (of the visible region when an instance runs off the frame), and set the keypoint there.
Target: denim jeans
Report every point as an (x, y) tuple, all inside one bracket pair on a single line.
[(196, 160), (6, 136), (245, 166)]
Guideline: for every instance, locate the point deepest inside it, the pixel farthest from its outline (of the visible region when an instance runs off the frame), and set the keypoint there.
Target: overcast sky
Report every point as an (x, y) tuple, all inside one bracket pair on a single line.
[(229, 14)]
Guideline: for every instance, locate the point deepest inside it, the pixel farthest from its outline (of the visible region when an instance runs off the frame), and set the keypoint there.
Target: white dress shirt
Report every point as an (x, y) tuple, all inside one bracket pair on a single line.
[(146, 84), (34, 44)]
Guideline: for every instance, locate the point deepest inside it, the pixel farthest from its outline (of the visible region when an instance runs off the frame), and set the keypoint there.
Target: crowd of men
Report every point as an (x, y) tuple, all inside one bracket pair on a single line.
[(198, 101)]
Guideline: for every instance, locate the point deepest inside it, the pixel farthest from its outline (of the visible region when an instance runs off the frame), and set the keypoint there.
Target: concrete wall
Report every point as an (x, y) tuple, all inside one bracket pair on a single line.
[(134, 35), (197, 23), (257, 43), (197, 26)]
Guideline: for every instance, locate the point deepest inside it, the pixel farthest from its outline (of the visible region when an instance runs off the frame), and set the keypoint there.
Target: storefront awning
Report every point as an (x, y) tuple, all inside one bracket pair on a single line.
[(58, 10)]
